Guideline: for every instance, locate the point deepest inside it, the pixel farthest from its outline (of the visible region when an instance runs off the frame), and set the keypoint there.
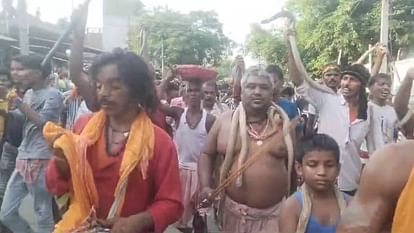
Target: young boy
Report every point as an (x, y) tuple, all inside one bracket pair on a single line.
[(316, 206)]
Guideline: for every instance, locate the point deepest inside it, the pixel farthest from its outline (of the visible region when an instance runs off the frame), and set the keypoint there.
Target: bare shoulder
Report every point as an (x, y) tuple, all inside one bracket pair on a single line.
[(223, 119), (289, 215), (291, 206), (214, 132)]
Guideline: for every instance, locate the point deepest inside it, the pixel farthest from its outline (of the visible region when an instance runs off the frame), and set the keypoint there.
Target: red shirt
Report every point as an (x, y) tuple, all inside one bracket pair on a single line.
[(159, 118), (159, 194)]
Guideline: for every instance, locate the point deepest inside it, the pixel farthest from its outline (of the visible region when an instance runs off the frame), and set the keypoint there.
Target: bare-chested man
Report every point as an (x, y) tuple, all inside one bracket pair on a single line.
[(251, 201), (385, 196)]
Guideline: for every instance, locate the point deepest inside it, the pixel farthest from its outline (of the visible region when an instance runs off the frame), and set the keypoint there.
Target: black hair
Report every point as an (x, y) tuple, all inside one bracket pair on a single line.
[(362, 73), (287, 91), (275, 69), (377, 77), (212, 83), (317, 142), (134, 73), (34, 62), (358, 71)]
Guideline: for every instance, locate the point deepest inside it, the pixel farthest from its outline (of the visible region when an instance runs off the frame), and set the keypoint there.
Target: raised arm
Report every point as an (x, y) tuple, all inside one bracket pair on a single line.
[(402, 98), (381, 53), (297, 71), (365, 55), (296, 68), (84, 86)]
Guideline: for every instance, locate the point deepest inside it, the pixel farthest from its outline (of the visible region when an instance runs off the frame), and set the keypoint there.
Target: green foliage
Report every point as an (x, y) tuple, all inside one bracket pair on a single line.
[(267, 46), (224, 69), (194, 38), (327, 26)]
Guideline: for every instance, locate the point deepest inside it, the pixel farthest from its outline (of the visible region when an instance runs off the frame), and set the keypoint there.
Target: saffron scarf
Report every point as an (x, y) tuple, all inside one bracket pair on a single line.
[(403, 221), (83, 194)]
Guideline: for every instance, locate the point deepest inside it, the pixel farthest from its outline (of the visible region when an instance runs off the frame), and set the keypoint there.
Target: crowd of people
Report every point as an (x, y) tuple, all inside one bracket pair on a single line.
[(114, 150)]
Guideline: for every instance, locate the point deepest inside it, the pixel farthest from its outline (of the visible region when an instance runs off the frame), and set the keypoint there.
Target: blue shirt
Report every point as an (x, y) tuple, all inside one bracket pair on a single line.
[(290, 108), (313, 225)]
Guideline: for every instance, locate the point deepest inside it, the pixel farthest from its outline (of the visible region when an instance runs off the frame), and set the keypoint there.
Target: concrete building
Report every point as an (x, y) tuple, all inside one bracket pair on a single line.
[(115, 24)]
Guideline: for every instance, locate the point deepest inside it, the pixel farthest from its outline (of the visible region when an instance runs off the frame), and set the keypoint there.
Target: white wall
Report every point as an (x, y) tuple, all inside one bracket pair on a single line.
[(402, 68), (114, 32)]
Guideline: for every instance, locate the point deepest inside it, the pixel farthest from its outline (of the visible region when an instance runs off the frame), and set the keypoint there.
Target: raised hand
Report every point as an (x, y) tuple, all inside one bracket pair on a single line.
[(79, 18), (382, 50)]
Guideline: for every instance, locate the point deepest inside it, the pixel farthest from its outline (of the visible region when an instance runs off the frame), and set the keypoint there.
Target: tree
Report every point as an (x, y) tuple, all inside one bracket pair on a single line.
[(194, 38), (224, 69), (267, 46), (327, 26)]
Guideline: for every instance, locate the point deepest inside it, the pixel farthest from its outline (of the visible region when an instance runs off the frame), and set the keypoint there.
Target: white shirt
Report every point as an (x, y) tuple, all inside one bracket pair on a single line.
[(190, 142), (384, 126), (333, 113), (312, 110)]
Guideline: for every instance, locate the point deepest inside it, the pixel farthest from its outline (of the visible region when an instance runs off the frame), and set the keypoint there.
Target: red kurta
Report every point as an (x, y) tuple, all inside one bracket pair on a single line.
[(159, 194), (159, 118)]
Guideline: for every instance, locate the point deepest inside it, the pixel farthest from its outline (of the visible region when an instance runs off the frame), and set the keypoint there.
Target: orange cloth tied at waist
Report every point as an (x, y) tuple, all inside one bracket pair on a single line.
[(83, 195), (404, 215)]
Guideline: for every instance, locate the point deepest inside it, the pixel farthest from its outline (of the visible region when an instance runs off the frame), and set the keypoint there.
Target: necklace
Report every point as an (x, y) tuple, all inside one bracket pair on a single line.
[(109, 140), (258, 137), (125, 133), (196, 124)]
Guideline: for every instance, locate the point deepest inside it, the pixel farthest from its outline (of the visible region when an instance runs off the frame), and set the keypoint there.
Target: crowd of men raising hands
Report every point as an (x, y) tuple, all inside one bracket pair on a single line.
[(143, 157)]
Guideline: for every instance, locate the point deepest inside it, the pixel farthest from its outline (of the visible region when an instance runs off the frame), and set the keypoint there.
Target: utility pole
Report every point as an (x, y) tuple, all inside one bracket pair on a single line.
[(385, 12), (23, 27), (162, 55)]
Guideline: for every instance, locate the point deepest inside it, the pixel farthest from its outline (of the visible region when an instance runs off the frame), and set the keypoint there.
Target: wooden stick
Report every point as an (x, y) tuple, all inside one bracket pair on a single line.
[(338, 62), (62, 37)]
